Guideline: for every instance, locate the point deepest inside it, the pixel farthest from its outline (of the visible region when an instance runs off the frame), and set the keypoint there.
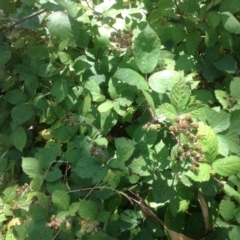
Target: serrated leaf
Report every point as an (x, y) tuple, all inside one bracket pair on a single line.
[(31, 167), (192, 41), (106, 106), (197, 110), (59, 90), (10, 194), (163, 81), (18, 138), (180, 95), (139, 167), (88, 210), (87, 168), (232, 140), (63, 133), (128, 219), (209, 142), (146, 50), (16, 97), (131, 77), (53, 175), (230, 23), (166, 110), (227, 166), (124, 149), (223, 147), (219, 121), (213, 18), (5, 57), (227, 209), (21, 113), (234, 233), (61, 200), (235, 121)]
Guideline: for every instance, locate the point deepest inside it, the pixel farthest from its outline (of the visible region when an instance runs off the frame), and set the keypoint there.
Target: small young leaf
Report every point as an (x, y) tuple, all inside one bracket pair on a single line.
[(131, 77), (61, 200), (19, 138), (227, 166), (146, 50)]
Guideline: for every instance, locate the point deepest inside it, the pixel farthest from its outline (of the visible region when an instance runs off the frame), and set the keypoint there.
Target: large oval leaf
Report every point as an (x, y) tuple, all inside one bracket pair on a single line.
[(227, 166), (147, 48), (163, 81), (132, 78)]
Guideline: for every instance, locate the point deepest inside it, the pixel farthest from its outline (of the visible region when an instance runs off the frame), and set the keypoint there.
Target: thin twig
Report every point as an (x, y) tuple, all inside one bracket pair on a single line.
[(20, 21)]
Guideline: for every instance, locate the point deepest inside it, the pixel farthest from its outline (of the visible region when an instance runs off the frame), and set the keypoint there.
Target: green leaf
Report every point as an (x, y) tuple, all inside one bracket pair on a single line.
[(192, 41), (222, 97), (94, 90), (197, 110), (234, 233), (87, 167), (203, 173), (230, 192), (16, 97), (132, 78), (124, 149), (166, 110), (232, 140), (106, 106), (59, 26), (180, 95), (146, 50), (209, 142), (10, 194), (149, 99), (227, 64), (59, 90), (163, 81), (128, 219), (61, 200), (31, 167), (162, 191), (8, 6), (227, 209), (235, 122), (88, 210), (21, 113), (233, 6), (235, 87), (219, 121), (63, 133), (53, 175), (227, 166), (18, 138), (213, 18), (223, 147), (230, 23), (186, 63), (139, 167)]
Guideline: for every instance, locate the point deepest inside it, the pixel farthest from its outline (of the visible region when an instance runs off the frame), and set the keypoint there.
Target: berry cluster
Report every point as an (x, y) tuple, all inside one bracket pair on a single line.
[(56, 223), (70, 119), (22, 189), (151, 126), (231, 101), (184, 127), (87, 226), (121, 39)]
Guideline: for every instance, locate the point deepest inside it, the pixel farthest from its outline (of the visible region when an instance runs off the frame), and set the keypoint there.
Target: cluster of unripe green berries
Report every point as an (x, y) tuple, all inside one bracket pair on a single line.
[(22, 189), (121, 39), (151, 126), (70, 119), (191, 149), (87, 226), (56, 223), (231, 101)]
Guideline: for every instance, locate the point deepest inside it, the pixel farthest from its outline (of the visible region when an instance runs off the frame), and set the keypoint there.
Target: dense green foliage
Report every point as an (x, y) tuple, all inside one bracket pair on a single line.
[(119, 119)]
